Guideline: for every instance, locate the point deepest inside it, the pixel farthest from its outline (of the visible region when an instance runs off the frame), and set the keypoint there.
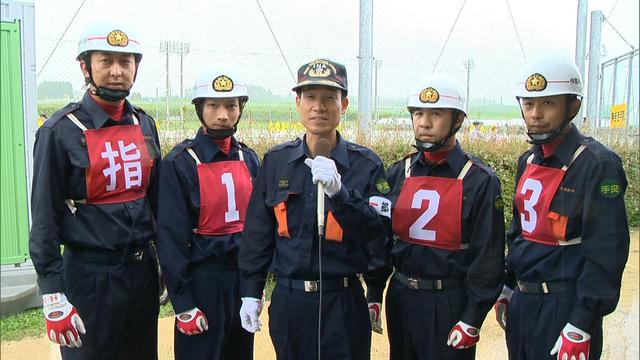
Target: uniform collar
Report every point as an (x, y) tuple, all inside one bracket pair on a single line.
[(208, 149), (455, 159), (98, 116), (340, 154), (564, 151)]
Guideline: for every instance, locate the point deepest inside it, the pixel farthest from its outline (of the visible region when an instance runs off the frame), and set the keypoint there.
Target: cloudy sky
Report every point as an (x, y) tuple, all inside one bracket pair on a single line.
[(408, 38)]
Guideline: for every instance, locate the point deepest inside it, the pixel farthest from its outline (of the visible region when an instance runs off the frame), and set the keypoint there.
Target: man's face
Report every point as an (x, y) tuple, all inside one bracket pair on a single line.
[(220, 114), (545, 114), (320, 109), (432, 125), (111, 70)]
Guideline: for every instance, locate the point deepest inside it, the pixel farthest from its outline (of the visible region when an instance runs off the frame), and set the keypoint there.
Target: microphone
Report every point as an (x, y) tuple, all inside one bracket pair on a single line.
[(322, 148)]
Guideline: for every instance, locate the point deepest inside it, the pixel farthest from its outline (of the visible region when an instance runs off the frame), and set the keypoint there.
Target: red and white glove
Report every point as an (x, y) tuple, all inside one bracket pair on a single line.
[(572, 344), (463, 336), (324, 170), (250, 314), (374, 315), (192, 322), (501, 306), (62, 320)]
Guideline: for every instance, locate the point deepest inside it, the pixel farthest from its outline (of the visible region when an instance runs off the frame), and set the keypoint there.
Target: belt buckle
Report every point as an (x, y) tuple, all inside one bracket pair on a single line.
[(412, 283), (522, 286), (138, 255), (311, 286), (438, 284), (345, 282)]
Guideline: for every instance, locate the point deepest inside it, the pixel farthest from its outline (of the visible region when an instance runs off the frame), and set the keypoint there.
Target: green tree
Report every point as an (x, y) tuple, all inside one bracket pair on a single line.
[(55, 90)]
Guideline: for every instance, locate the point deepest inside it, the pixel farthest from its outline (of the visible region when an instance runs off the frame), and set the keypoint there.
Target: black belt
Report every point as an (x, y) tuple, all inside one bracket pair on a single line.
[(106, 257), (428, 284), (545, 287), (312, 286)]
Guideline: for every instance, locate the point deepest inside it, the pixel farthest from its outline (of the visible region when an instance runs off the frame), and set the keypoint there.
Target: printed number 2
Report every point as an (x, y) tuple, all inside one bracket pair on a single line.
[(536, 187), (232, 214), (417, 230)]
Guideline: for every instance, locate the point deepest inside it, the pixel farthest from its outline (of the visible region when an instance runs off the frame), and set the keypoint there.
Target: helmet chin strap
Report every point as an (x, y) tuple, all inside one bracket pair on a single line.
[(109, 94), (435, 146), (545, 138)]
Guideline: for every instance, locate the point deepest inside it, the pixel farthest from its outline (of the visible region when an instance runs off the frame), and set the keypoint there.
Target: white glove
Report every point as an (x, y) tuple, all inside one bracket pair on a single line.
[(463, 336), (250, 314), (501, 306), (572, 344), (324, 170), (374, 316), (192, 322), (62, 320)]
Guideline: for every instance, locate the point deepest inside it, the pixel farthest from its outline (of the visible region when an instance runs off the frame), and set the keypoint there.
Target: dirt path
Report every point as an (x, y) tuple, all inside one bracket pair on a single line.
[(491, 344)]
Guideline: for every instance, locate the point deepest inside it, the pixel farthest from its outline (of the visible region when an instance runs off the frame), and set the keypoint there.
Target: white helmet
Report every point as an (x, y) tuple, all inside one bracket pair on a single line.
[(438, 91), (219, 81), (109, 35), (547, 76)]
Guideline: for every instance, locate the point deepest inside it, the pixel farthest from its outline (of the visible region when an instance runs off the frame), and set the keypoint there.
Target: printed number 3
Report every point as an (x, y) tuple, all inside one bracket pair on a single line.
[(417, 230), (232, 214), (536, 187)]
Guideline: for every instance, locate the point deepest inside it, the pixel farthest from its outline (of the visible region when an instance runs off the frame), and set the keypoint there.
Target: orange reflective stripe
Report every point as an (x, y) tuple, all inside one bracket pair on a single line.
[(334, 230), (558, 225), (280, 211)]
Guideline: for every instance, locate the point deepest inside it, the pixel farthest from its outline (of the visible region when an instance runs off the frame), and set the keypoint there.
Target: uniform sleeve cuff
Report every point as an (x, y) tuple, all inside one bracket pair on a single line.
[(472, 316), (374, 294), (253, 289), (582, 318), (51, 284), (341, 196), (182, 303)]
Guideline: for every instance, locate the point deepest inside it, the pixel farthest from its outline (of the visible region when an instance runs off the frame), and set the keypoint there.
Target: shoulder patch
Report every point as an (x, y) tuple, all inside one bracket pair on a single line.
[(382, 186), (610, 188)]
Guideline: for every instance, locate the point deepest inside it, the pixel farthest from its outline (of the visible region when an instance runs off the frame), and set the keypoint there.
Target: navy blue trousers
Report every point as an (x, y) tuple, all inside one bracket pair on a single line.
[(419, 322), (534, 322), (293, 324), (119, 307), (216, 293)]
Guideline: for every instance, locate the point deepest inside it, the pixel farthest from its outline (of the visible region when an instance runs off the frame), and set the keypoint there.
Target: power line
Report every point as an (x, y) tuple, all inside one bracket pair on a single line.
[(617, 32), (613, 7), (60, 39), (276, 40), (448, 36), (516, 31)]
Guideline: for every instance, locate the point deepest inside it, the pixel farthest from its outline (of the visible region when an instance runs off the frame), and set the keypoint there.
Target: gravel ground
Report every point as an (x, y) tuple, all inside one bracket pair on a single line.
[(621, 331)]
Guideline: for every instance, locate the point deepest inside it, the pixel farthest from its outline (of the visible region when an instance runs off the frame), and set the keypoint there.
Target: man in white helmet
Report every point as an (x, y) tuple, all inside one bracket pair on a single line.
[(447, 240), (205, 184), (94, 192), (569, 237)]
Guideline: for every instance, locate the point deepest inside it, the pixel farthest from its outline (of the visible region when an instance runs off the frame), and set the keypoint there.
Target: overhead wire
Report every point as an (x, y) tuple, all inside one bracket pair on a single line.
[(60, 39), (276, 40), (448, 36), (515, 28)]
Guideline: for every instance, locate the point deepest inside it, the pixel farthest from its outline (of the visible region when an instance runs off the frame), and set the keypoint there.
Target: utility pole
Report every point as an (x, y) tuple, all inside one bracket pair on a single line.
[(468, 64), (581, 45), (173, 47), (594, 67), (365, 59)]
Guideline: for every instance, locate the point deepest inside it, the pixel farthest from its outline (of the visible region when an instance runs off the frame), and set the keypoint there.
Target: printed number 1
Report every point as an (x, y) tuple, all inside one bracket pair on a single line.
[(417, 230), (232, 214), (536, 187)]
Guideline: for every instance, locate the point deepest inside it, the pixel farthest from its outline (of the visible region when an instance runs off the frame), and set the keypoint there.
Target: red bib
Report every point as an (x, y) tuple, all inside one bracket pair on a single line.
[(534, 193), (428, 211), (225, 188), (119, 163)]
